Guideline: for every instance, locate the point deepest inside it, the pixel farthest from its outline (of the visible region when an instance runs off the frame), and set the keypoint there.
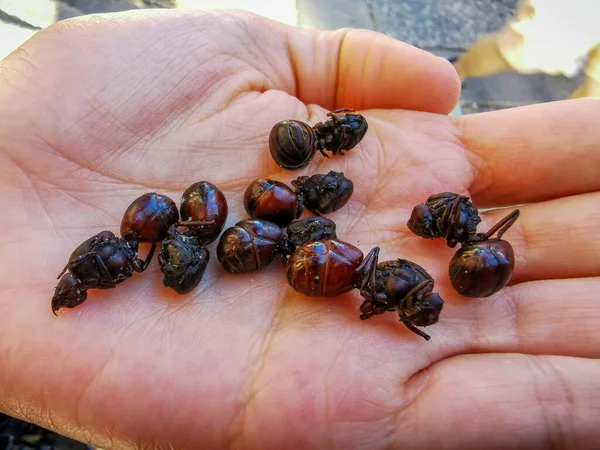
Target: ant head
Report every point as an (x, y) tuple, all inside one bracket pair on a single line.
[(427, 311), (359, 126), (68, 294), (421, 221)]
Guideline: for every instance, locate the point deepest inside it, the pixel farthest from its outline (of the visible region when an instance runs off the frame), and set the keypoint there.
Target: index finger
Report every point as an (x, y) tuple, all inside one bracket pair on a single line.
[(363, 69)]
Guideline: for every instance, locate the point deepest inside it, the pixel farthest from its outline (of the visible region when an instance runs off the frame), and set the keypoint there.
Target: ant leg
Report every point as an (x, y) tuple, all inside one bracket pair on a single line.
[(437, 203), (415, 330), (365, 272), (365, 278), (140, 265), (440, 200), (366, 305), (452, 215), (337, 111), (502, 226), (73, 261), (67, 268), (106, 285), (79, 259), (415, 292), (102, 267), (319, 129), (375, 312), (194, 223)]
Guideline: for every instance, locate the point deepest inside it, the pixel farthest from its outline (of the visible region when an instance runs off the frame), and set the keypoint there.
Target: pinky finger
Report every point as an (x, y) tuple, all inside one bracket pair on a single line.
[(549, 317), (508, 401)]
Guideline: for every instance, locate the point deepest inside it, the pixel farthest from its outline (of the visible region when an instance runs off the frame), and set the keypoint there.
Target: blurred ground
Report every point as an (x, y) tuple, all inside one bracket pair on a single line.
[(444, 27)]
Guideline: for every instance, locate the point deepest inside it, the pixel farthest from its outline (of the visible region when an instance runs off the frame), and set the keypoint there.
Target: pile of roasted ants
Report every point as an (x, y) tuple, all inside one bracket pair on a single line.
[(317, 263)]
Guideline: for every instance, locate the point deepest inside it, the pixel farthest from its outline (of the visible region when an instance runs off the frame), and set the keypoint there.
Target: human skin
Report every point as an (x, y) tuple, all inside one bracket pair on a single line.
[(98, 110)]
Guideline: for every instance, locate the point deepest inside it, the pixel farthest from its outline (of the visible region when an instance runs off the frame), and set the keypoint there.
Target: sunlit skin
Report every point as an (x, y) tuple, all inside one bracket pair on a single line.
[(95, 112)]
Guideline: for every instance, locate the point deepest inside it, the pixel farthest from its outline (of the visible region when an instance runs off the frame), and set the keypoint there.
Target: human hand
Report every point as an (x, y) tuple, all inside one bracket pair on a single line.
[(97, 111)]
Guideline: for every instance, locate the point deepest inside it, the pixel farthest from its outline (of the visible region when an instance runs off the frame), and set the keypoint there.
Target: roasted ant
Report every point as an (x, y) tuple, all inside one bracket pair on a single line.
[(275, 202), (482, 266), (331, 267), (405, 287), (293, 143), (101, 262)]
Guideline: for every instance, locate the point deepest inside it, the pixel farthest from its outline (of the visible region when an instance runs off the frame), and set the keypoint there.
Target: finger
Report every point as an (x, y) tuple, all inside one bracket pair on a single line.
[(558, 317), (507, 400), (346, 68), (533, 153), (363, 69), (553, 239)]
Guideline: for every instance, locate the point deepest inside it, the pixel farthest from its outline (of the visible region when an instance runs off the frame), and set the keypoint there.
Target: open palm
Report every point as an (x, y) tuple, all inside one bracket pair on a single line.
[(97, 111)]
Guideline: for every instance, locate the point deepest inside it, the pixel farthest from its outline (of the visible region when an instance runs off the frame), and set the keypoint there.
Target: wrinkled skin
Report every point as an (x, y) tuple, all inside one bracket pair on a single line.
[(87, 124)]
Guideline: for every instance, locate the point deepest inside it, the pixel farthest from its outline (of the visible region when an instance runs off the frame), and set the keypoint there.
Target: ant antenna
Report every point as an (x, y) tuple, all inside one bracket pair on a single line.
[(502, 226)]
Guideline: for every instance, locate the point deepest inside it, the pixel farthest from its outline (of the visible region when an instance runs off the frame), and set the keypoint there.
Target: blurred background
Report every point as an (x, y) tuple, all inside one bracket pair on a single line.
[(508, 52)]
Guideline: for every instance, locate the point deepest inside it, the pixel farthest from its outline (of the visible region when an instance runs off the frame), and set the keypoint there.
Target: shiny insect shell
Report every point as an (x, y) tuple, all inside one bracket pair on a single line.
[(292, 144), (324, 268), (148, 218), (249, 245), (203, 210), (272, 201)]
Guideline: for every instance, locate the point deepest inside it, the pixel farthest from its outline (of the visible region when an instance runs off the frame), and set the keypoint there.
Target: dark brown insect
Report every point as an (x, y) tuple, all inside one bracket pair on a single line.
[(293, 143), (307, 230), (446, 215), (272, 201), (148, 218), (101, 262), (249, 245), (183, 261), (404, 287), (203, 211), (324, 193), (332, 267), (483, 266)]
